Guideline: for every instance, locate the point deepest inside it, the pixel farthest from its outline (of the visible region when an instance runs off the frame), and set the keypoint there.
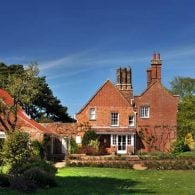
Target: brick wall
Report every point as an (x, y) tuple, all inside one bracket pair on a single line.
[(107, 100), (162, 120)]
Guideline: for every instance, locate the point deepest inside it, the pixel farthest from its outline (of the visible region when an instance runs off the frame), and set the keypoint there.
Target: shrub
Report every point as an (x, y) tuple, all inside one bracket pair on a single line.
[(88, 136), (73, 146), (95, 144), (4, 180), (88, 150), (37, 163), (180, 146), (189, 140), (22, 184), (37, 149), (16, 149), (40, 177)]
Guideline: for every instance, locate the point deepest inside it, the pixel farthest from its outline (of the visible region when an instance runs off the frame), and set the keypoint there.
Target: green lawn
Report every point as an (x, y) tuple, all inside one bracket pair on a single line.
[(119, 181)]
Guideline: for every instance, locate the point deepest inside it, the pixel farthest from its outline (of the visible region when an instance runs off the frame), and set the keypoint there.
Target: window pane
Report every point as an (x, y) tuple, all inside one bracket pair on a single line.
[(114, 140), (114, 119), (144, 112), (131, 121), (129, 140), (92, 114)]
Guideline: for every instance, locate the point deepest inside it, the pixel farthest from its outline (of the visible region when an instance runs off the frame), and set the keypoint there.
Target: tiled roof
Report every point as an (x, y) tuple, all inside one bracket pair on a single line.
[(62, 129), (23, 119)]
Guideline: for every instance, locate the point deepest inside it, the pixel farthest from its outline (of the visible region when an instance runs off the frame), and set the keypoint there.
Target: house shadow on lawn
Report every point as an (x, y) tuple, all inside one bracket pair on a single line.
[(99, 185)]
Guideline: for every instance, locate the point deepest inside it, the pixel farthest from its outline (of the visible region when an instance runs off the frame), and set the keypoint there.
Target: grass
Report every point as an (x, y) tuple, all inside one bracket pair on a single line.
[(88, 180)]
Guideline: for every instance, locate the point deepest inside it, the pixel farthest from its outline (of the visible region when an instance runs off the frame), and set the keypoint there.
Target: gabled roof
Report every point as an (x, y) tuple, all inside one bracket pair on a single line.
[(116, 91), (22, 116), (148, 88)]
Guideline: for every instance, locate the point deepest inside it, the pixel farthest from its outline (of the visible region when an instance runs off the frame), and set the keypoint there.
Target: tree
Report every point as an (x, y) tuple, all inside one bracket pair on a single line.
[(186, 116), (23, 87), (32, 93), (185, 88)]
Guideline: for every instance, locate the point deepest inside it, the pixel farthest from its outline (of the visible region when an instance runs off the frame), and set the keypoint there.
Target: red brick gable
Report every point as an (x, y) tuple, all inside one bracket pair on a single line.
[(107, 95), (163, 105), (161, 124)]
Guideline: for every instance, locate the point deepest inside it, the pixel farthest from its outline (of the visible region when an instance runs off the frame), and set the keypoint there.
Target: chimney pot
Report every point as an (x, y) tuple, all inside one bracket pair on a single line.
[(154, 56), (158, 56)]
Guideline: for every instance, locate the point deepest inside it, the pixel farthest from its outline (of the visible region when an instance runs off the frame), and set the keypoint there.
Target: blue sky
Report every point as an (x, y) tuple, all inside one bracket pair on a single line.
[(79, 44)]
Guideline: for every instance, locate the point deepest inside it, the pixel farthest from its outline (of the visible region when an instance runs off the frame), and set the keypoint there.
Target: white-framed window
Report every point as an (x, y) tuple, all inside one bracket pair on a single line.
[(92, 114), (114, 140), (131, 120), (114, 119), (144, 111), (129, 140)]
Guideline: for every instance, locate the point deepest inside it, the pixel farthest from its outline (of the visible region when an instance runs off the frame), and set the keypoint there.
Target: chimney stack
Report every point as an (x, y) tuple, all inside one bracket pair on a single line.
[(154, 73), (124, 82)]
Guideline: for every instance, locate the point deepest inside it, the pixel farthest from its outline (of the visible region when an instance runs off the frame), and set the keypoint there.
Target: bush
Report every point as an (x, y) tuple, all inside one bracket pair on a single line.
[(37, 163), (88, 136), (37, 149), (40, 177), (73, 146), (88, 150), (180, 146), (22, 184), (95, 144), (4, 180), (16, 149)]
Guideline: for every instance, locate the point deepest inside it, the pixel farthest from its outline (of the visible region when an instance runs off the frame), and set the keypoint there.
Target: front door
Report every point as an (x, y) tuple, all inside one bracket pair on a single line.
[(122, 146)]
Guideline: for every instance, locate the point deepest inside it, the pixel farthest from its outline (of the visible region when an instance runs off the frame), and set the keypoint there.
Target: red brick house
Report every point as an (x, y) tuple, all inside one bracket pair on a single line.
[(129, 124)]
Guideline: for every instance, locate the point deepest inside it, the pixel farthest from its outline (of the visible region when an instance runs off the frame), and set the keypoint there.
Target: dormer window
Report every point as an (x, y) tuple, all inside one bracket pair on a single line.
[(145, 112), (92, 114), (132, 121)]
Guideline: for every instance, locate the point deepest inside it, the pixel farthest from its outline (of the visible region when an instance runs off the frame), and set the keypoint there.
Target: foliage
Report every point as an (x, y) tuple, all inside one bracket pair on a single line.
[(23, 86), (95, 144), (179, 146), (183, 86), (40, 177), (4, 180), (37, 148), (186, 116), (22, 184), (16, 150), (32, 93), (189, 141), (37, 163), (171, 164), (85, 126), (73, 146), (88, 136)]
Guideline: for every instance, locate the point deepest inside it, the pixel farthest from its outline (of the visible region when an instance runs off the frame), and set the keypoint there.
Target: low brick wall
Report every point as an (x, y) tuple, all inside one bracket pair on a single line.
[(129, 161)]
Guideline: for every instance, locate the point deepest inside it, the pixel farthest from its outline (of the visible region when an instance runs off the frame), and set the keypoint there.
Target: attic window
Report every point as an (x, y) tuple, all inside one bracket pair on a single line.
[(92, 114)]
